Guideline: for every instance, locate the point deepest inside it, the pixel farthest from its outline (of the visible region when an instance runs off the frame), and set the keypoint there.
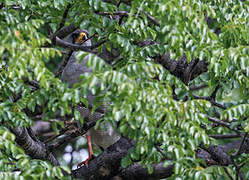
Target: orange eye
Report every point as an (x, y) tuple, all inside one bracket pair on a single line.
[(81, 38)]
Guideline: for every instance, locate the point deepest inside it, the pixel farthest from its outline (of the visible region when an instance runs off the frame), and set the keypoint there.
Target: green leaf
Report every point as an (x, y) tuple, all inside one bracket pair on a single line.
[(125, 162)]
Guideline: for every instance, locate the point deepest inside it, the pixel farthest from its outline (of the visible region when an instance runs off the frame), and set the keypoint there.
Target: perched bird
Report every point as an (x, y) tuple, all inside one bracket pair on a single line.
[(70, 75)]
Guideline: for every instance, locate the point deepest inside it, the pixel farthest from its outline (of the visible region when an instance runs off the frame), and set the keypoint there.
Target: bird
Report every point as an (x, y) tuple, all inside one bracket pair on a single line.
[(71, 73)]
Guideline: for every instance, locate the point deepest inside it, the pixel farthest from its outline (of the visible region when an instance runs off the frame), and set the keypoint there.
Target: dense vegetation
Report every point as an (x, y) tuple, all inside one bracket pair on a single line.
[(176, 74)]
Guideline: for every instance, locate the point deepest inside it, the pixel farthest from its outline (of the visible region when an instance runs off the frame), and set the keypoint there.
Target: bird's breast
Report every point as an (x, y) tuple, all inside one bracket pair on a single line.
[(74, 69)]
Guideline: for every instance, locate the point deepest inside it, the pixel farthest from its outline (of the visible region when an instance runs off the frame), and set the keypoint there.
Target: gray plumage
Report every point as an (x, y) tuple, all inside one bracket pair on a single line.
[(70, 75)]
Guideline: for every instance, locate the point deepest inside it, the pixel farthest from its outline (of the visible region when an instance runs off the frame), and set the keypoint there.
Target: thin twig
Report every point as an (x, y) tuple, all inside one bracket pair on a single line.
[(196, 88), (118, 13), (237, 168), (74, 134), (126, 14), (90, 37), (241, 145), (152, 19), (34, 84), (228, 174), (161, 151), (63, 64), (48, 28), (224, 136), (60, 133), (118, 4), (211, 98), (213, 95), (208, 98), (98, 44), (64, 17), (63, 140), (238, 152), (241, 175), (217, 121), (218, 104)]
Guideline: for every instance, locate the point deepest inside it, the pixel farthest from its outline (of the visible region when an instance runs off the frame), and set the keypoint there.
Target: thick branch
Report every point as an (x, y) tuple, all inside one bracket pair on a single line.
[(33, 147), (75, 47), (63, 32), (220, 155), (137, 171), (108, 166), (65, 44), (181, 68)]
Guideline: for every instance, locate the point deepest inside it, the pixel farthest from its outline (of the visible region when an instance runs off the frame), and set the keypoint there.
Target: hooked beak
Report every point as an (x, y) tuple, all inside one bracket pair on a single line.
[(81, 38)]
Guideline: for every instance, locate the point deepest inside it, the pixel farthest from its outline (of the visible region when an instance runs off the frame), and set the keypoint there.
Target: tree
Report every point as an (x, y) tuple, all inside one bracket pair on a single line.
[(176, 74)]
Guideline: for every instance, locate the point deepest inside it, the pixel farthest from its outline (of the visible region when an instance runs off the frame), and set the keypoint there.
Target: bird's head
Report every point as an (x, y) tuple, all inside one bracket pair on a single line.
[(81, 37)]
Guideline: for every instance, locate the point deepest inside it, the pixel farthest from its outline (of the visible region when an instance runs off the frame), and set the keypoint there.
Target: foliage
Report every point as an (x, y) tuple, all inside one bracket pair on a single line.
[(140, 90)]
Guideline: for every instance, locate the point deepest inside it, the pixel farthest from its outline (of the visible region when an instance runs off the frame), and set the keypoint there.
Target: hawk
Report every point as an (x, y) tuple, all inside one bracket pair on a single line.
[(70, 75)]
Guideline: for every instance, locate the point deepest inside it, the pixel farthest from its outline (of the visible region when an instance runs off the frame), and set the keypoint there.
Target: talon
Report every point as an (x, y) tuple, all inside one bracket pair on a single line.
[(90, 153), (85, 163)]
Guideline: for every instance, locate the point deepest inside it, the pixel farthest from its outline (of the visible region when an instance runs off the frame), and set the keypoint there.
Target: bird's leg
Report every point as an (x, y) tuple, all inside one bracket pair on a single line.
[(90, 150)]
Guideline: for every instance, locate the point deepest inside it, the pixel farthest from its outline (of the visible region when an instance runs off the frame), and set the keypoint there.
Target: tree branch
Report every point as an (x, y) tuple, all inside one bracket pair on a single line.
[(62, 64), (152, 19), (220, 155), (211, 98), (33, 147), (126, 14), (64, 17), (65, 44), (65, 139), (75, 47), (181, 68), (240, 147), (217, 121), (108, 165), (137, 171), (196, 88), (228, 174), (72, 135), (63, 32), (213, 95), (224, 136)]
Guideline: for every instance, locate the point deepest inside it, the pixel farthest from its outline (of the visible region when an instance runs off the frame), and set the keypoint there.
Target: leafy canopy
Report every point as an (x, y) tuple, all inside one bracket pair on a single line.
[(140, 90)]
